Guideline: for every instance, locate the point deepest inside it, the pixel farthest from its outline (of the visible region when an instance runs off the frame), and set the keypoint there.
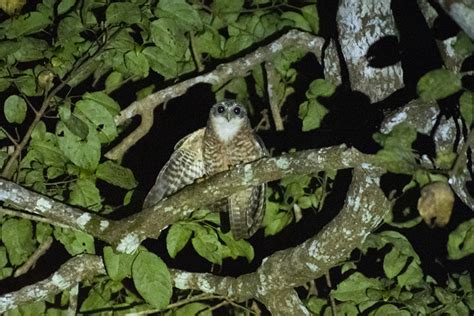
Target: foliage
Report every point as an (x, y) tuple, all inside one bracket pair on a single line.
[(62, 63)]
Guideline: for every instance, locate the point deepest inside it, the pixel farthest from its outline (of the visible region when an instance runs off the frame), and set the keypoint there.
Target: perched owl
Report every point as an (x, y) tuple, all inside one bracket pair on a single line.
[(226, 141)]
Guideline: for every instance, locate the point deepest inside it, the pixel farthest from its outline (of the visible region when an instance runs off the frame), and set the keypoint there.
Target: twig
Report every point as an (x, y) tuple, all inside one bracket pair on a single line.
[(31, 262), (273, 98), (461, 157), (73, 294), (199, 297), (331, 298), (10, 137)]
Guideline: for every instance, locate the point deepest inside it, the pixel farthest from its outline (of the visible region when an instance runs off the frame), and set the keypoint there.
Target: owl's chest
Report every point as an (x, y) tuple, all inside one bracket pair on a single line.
[(219, 156)]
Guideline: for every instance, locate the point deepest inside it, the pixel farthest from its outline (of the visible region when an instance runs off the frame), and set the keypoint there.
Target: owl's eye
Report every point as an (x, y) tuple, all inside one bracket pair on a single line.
[(237, 111), (220, 109)]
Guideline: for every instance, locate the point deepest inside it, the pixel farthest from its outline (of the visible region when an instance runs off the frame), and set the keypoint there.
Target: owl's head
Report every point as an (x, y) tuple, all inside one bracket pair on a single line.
[(226, 118)]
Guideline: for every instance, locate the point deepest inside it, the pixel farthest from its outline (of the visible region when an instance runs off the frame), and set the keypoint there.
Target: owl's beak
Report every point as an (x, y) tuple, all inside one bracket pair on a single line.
[(228, 116)]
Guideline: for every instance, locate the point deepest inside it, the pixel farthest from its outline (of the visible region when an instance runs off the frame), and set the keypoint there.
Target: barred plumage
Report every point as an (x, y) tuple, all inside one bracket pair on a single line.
[(226, 141)]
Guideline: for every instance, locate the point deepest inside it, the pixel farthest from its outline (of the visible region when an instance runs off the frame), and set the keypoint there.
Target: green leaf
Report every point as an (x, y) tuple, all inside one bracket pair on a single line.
[(84, 193), (17, 236), (114, 80), (30, 49), (438, 84), (316, 304), (298, 20), (237, 248), (274, 220), (320, 87), (394, 262), (199, 309), (177, 237), (161, 62), (168, 38), (312, 113), (186, 17), (83, 153), (97, 298), (43, 231), (464, 45), (101, 99), (207, 245), (461, 241), (118, 265), (355, 287), (117, 175), (3, 256), (69, 29), (75, 242), (65, 5), (225, 12), (28, 23), (389, 309), (125, 12), (152, 279), (15, 109), (466, 103), (73, 123), (412, 276), (31, 309), (210, 42), (310, 13), (137, 64), (26, 82), (101, 118)]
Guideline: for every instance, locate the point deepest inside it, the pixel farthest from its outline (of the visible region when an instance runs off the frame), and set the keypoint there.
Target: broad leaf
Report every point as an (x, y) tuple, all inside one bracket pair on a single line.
[(467, 107), (15, 109), (177, 237), (152, 279), (75, 242), (115, 174), (355, 287), (84, 193), (125, 12), (438, 84), (461, 241), (118, 265), (17, 236)]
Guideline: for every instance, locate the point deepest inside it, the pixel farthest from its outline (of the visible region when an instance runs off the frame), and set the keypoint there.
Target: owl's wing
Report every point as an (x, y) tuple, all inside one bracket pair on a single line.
[(247, 207), (185, 165)]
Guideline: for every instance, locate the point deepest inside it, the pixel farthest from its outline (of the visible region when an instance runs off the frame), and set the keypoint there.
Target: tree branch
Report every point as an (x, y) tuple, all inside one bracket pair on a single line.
[(355, 19), (223, 73), (68, 275), (461, 11)]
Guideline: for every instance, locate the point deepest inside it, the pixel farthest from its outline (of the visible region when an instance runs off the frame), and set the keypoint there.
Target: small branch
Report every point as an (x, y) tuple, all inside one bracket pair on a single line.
[(146, 123), (273, 98), (331, 298), (72, 307), (10, 137), (68, 275), (222, 74), (461, 158), (41, 250)]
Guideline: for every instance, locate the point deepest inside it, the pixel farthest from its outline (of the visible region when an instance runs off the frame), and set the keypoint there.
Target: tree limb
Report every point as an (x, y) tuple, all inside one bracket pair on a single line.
[(220, 75), (461, 11), (68, 275), (355, 19)]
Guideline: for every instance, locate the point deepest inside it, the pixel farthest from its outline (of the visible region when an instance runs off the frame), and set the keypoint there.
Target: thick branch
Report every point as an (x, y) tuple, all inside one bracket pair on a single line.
[(363, 210), (69, 274), (461, 11), (223, 73), (150, 222), (361, 24)]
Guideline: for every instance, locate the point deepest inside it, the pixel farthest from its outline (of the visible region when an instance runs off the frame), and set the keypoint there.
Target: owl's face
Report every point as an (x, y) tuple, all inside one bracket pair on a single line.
[(227, 118)]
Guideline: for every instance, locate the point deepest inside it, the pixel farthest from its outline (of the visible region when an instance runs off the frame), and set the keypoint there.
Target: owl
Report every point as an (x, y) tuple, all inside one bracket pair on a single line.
[(226, 141)]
